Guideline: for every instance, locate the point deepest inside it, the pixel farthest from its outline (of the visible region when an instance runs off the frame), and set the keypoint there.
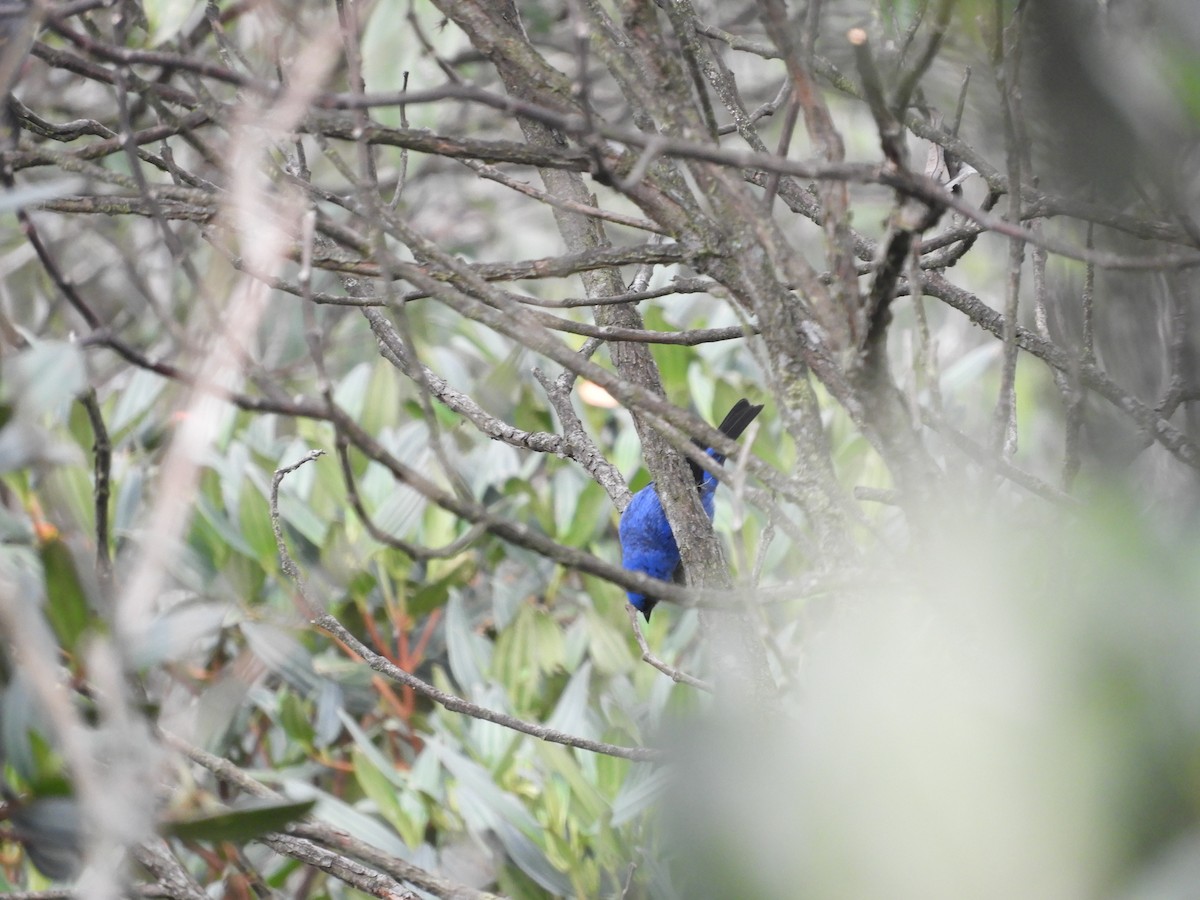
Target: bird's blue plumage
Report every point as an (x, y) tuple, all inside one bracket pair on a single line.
[(647, 544)]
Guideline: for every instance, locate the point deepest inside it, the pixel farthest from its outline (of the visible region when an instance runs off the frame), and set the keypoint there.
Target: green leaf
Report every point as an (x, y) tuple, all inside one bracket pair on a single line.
[(222, 528), (379, 788), (383, 390), (242, 824), (609, 647), (67, 607), (547, 646), (254, 518), (586, 796), (515, 662), (435, 592), (294, 719), (592, 514), (68, 489), (300, 516)]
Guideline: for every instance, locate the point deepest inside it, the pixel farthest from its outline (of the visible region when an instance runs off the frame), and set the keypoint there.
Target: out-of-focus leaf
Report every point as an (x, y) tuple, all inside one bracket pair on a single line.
[(175, 633), (546, 641), (517, 578), (433, 593), (293, 717), (514, 664), (702, 391), (20, 719), (15, 529), (489, 742), (472, 777), (299, 515), (351, 392), (229, 535), (68, 488), (255, 520), (283, 655), (627, 455), (231, 469), (242, 824), (532, 860), (49, 827), (468, 653), (135, 398), (563, 761), (673, 361), (67, 608), (342, 816), (167, 18), (354, 679), (23, 443), (572, 714), (400, 511), (20, 565), (329, 708), (371, 752), (566, 487), (391, 50), (611, 772), (575, 644), (395, 507), (383, 408), (642, 788), (45, 377), (219, 707), (414, 815), (129, 499), (486, 805), (426, 775), (608, 646), (492, 465), (260, 437), (377, 786), (593, 515), (969, 368), (15, 198)]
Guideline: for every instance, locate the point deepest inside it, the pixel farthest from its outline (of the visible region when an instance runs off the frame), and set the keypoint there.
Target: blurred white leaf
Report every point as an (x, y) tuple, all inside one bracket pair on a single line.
[(166, 18)]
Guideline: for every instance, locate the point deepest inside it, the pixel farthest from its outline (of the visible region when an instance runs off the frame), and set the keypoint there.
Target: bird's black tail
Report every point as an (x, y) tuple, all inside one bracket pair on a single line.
[(738, 419), (735, 422)]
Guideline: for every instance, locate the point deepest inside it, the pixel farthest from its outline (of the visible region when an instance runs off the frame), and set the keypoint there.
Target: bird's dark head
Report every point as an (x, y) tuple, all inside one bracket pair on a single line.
[(643, 604)]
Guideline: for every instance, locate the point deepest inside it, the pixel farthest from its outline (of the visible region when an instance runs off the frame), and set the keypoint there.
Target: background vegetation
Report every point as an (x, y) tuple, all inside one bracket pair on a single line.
[(335, 335)]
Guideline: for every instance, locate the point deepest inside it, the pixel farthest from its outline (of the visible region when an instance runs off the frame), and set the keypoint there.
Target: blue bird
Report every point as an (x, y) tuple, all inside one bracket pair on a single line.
[(647, 544)]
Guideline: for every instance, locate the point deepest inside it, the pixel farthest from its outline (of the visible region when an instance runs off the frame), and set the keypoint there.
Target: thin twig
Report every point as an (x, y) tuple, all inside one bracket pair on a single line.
[(676, 675), (385, 667)]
